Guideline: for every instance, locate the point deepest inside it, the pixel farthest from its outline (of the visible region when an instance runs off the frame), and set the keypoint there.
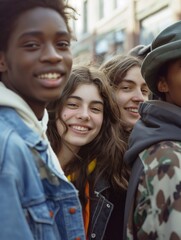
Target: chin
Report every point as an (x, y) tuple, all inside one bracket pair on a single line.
[(130, 125)]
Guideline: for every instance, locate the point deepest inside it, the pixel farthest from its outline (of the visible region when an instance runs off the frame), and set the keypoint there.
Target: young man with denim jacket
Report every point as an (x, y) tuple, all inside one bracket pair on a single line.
[(37, 201)]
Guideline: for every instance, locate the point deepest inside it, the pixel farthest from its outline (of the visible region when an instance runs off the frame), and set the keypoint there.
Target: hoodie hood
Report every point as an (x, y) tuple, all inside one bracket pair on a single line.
[(160, 121), (9, 98)]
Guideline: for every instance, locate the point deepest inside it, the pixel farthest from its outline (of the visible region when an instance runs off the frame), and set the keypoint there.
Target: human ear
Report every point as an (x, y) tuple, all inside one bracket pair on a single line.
[(3, 65), (162, 85)]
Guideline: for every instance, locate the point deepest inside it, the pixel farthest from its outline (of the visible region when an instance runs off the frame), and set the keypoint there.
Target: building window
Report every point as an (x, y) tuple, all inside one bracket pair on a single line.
[(153, 24), (101, 9), (85, 13), (120, 3), (104, 8)]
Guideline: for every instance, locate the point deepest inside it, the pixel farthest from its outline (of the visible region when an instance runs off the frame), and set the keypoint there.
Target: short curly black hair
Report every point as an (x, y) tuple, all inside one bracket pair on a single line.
[(11, 9)]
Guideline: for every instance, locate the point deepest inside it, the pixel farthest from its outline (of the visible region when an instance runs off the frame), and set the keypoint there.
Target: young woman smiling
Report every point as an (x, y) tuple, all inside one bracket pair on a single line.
[(84, 131), (124, 73)]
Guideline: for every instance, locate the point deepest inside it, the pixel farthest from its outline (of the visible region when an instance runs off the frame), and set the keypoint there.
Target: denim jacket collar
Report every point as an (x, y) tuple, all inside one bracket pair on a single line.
[(31, 138)]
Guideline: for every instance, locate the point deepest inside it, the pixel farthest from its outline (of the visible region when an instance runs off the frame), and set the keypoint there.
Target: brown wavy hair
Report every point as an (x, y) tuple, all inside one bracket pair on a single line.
[(117, 67), (107, 148)]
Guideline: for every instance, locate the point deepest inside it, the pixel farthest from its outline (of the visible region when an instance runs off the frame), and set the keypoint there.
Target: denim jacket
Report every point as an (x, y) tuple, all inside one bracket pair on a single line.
[(36, 201)]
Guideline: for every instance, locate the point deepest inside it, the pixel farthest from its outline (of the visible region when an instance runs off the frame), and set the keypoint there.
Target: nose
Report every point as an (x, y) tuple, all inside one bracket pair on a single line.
[(138, 96), (84, 115), (50, 54)]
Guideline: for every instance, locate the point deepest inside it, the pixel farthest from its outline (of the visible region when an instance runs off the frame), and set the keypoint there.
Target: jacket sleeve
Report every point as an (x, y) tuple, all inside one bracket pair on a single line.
[(157, 214), (13, 222)]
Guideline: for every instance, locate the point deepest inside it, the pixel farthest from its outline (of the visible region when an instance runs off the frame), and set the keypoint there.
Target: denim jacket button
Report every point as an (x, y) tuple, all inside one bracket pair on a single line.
[(93, 235), (51, 214), (108, 205), (77, 238), (72, 210)]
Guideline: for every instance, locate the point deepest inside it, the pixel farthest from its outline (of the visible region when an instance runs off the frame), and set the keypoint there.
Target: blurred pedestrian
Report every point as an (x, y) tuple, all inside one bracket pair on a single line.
[(84, 132), (153, 206), (37, 200)]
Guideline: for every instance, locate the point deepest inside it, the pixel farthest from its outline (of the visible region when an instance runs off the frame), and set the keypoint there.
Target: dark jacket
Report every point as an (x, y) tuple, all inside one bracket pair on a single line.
[(154, 153), (107, 211)]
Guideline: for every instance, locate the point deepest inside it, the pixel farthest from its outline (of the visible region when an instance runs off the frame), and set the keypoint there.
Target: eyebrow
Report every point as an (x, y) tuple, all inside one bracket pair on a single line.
[(80, 99), (127, 80), (132, 82), (39, 33)]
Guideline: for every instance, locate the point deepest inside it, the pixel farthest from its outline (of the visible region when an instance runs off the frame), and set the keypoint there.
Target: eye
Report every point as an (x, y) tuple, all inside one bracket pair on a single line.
[(97, 109), (31, 45), (145, 92), (64, 45), (72, 105), (125, 88)]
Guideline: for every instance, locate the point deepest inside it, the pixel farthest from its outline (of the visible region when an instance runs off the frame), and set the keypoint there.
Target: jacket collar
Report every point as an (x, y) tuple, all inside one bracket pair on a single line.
[(101, 185), (31, 138)]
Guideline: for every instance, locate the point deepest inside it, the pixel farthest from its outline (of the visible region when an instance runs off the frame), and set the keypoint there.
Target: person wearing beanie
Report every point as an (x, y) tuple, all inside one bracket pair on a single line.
[(153, 204)]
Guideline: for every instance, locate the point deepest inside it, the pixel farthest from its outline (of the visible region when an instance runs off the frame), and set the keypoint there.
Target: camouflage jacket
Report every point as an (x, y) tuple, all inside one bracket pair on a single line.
[(154, 190), (157, 211)]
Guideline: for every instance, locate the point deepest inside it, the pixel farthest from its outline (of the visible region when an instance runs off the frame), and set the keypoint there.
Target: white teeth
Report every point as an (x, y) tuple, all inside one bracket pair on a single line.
[(80, 128), (133, 110), (49, 76)]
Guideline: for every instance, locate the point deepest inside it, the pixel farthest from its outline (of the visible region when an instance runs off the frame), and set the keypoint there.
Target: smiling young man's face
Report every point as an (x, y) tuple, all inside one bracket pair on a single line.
[(132, 90), (38, 60)]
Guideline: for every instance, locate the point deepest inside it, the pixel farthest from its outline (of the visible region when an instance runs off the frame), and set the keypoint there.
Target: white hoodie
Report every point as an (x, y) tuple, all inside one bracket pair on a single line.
[(11, 99)]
